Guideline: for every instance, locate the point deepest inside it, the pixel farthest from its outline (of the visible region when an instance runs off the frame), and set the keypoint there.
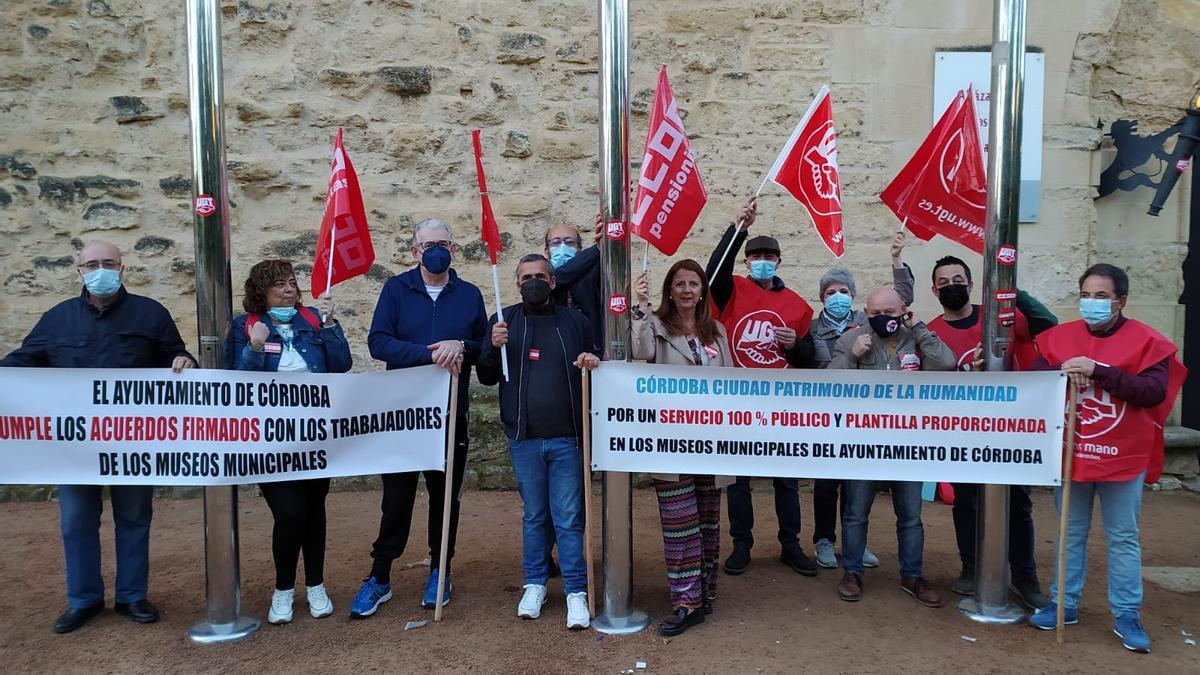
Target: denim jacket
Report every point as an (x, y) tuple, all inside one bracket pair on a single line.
[(325, 350)]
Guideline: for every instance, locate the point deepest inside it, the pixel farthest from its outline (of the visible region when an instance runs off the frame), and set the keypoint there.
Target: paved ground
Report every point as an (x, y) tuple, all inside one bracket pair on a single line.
[(769, 620)]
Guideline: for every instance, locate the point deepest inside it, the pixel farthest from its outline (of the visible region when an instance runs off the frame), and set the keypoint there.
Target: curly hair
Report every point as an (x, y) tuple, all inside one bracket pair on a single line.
[(261, 277), (706, 325)]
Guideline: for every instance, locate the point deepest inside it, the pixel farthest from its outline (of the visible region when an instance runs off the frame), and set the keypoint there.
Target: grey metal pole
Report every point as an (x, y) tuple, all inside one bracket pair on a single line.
[(619, 616), (210, 220), (990, 603)]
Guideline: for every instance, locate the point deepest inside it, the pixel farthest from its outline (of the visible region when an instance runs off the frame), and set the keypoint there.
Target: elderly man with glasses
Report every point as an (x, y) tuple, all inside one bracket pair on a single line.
[(425, 315), (104, 327)]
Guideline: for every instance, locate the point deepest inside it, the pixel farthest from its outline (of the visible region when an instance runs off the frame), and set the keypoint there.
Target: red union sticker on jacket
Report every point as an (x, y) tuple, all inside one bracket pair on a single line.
[(535, 355), (205, 205), (1006, 296), (1007, 255), (617, 304), (615, 229), (910, 362)]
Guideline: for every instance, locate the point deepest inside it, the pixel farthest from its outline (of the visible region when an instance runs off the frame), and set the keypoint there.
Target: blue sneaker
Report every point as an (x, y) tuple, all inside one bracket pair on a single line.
[(1128, 627), (430, 598), (370, 596), (1047, 617)]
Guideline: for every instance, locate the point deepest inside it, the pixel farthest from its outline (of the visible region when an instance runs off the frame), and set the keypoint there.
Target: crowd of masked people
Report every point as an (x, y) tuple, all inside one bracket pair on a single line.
[(735, 312)]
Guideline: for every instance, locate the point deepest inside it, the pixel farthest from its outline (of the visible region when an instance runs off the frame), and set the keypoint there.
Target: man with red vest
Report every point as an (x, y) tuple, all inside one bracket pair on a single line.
[(960, 327), (767, 325), (1127, 376)]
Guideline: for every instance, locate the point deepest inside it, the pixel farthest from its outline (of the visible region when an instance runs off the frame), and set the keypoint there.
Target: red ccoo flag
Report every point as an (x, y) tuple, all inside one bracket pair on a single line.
[(491, 231), (943, 188), (807, 167), (670, 193), (344, 248)]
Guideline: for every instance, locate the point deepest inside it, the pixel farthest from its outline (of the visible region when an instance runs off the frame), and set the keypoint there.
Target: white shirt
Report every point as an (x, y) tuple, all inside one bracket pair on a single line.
[(290, 360), (434, 291)]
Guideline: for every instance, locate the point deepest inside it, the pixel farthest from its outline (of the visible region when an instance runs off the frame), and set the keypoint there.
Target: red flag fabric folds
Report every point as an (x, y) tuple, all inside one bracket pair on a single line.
[(344, 228), (491, 231), (670, 193)]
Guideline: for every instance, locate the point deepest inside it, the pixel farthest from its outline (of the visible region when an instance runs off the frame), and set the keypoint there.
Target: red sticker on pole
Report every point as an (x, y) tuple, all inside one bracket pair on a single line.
[(615, 230), (205, 205), (1006, 314), (1007, 255), (617, 304), (1183, 164), (1006, 296)]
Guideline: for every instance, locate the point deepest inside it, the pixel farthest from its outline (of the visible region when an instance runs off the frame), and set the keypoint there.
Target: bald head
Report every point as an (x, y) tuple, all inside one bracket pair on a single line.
[(885, 300), (99, 250)]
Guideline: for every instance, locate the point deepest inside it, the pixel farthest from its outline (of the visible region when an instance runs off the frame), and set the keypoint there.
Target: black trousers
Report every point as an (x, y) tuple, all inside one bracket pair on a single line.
[(399, 495), (1020, 529), (299, 510), (825, 509), (787, 510)]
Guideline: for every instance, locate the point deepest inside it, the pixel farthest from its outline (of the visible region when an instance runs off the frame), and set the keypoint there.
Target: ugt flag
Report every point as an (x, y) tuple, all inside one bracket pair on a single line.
[(670, 193), (491, 231), (943, 188), (344, 248), (807, 167)]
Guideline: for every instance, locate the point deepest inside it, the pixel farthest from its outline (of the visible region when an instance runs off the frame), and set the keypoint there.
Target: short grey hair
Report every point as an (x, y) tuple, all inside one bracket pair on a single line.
[(534, 257), (431, 224), (838, 275)]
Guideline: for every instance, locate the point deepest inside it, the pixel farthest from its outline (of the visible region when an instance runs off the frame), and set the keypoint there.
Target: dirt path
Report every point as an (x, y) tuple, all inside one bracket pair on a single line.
[(769, 620)]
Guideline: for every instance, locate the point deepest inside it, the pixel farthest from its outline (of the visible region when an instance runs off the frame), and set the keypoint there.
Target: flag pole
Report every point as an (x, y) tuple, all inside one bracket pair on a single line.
[(646, 256), (329, 267), (729, 246), (447, 497), (1065, 509), (587, 492), (499, 317)]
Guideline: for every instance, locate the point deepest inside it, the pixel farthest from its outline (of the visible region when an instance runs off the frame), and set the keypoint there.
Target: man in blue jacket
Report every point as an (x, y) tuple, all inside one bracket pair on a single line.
[(425, 315), (104, 327), (541, 407)]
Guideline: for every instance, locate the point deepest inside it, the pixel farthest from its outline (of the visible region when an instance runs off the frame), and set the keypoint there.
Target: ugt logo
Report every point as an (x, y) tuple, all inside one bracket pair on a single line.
[(754, 341), (616, 230), (817, 174), (617, 304), (205, 205), (1098, 412)]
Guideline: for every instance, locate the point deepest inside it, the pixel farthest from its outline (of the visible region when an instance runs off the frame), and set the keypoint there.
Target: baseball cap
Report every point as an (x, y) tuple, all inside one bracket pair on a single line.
[(763, 243)]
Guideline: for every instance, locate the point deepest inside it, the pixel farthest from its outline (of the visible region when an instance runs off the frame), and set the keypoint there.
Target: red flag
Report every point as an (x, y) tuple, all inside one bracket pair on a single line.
[(807, 167), (344, 248), (491, 231), (943, 188), (670, 193)]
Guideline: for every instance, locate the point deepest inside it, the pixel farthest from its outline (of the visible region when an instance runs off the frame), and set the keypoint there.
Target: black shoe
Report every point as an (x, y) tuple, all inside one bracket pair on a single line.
[(738, 561), (965, 583), (75, 617), (1030, 593), (140, 611), (680, 621), (795, 559), (707, 605), (553, 571)]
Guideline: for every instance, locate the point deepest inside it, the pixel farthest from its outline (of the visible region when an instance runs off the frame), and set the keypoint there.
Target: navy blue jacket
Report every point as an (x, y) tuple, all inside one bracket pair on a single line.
[(575, 331), (131, 332), (407, 321), (578, 282), (324, 349)]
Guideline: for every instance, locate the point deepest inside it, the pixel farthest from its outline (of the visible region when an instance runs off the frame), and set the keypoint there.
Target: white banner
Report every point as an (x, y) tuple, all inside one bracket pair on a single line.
[(958, 427), (217, 427)]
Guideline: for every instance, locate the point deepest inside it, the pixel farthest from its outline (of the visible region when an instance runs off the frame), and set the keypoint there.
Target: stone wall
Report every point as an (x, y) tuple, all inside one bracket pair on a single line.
[(93, 104)]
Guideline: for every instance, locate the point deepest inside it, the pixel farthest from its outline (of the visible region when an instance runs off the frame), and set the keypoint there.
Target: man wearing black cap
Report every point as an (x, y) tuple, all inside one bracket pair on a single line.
[(767, 325)]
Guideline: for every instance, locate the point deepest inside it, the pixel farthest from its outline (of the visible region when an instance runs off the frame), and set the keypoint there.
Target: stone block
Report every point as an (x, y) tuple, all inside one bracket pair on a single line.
[(406, 80), (109, 216), (521, 48), (517, 144), (134, 109)]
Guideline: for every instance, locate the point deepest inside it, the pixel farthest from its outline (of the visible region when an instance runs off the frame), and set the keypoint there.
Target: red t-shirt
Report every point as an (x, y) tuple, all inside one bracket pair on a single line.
[(750, 318), (962, 341)]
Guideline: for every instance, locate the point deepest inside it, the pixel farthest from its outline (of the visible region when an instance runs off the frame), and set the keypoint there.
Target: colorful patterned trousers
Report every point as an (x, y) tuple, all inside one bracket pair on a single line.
[(690, 509)]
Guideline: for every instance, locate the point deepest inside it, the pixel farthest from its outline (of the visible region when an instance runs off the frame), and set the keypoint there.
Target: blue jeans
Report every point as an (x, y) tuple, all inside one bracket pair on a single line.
[(858, 495), (80, 507), (550, 480), (1120, 507)]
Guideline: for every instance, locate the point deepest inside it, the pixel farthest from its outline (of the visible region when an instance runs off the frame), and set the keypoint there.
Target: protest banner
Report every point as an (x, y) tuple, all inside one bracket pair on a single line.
[(217, 427), (869, 425)]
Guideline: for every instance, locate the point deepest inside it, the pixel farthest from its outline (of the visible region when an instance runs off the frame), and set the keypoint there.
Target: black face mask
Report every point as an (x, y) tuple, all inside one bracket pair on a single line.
[(954, 296), (884, 325), (535, 292)]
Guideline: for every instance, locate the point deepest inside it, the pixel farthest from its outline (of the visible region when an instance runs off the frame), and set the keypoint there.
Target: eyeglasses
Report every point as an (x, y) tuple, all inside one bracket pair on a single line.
[(567, 241), (423, 247), (93, 265)]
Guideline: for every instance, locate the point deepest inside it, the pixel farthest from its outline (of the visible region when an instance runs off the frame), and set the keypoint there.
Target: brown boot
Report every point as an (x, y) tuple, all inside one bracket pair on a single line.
[(920, 589), (850, 588)]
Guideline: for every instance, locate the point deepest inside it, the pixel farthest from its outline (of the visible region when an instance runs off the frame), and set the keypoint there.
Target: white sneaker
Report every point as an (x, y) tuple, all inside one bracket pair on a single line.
[(531, 603), (577, 610), (319, 604), (870, 559), (281, 607)]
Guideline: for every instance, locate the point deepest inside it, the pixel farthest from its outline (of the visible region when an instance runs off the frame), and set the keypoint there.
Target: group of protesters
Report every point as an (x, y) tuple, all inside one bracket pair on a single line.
[(705, 316)]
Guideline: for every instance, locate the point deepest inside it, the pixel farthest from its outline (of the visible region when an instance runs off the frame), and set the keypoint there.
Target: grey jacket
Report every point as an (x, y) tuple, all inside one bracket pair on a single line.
[(825, 336), (915, 348)]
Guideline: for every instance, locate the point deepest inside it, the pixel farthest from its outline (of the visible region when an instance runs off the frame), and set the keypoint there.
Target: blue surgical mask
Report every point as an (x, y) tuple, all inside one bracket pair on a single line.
[(762, 270), (282, 314), (837, 306), (436, 260), (102, 283), (561, 254), (1095, 311)]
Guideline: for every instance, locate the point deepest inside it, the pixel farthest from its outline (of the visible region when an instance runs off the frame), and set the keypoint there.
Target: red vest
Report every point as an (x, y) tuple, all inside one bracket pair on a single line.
[(963, 342), (1116, 441), (750, 318)]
